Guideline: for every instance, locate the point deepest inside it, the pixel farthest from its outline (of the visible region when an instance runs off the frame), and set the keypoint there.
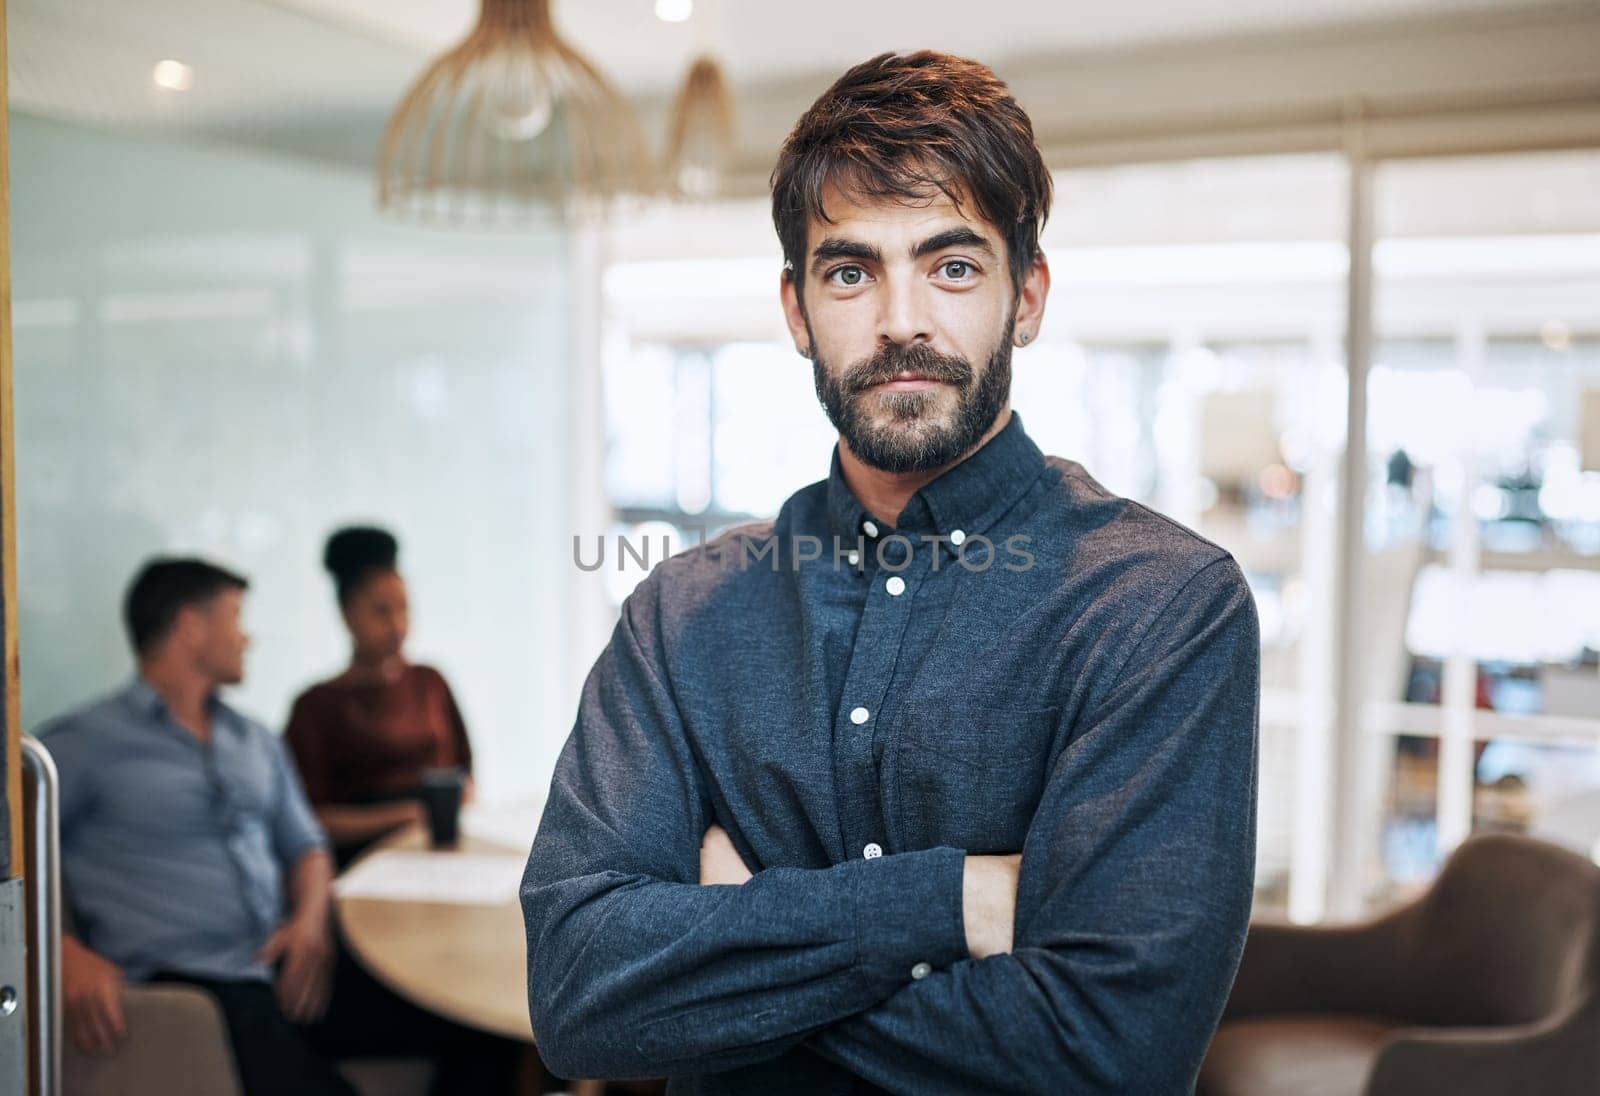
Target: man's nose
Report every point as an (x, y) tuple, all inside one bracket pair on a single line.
[(903, 318)]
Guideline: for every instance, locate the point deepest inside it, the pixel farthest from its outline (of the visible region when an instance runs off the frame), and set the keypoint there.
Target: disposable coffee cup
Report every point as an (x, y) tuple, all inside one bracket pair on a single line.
[(441, 796)]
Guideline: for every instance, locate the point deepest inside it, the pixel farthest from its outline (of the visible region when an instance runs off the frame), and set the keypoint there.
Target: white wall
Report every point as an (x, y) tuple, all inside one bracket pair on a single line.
[(229, 354)]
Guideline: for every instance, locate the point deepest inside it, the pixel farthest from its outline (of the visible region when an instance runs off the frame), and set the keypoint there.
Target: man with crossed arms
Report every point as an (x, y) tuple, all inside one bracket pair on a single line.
[(882, 817)]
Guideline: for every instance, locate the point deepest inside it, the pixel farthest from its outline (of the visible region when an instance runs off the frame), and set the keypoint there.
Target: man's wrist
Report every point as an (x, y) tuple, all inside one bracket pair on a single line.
[(312, 917), (910, 918), (989, 903)]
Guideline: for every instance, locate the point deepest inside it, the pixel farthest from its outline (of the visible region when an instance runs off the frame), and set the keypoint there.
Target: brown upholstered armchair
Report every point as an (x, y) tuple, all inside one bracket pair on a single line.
[(1487, 984)]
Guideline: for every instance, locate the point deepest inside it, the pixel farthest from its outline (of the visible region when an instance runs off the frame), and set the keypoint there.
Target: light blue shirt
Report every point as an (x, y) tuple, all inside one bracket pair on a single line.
[(174, 852)]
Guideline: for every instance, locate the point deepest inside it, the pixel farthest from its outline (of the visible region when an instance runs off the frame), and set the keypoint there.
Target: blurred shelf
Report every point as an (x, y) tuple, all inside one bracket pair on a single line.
[(1385, 718), (1542, 559)]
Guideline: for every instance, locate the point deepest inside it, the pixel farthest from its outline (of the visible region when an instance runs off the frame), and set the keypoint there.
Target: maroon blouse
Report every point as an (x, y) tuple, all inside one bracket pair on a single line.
[(366, 742)]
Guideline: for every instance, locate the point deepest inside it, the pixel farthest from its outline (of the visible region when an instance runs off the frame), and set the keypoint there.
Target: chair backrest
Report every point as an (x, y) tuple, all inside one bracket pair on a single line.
[(1509, 933), (177, 1045)]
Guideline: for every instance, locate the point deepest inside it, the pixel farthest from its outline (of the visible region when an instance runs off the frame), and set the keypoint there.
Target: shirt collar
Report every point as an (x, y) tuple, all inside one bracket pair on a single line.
[(144, 700), (966, 499), (149, 704)]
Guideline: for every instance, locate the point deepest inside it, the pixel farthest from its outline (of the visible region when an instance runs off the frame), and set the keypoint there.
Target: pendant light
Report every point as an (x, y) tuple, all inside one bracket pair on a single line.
[(510, 122), (701, 139)]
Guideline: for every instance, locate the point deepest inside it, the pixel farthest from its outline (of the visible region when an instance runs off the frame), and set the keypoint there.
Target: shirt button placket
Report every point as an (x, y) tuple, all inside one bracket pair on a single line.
[(867, 683)]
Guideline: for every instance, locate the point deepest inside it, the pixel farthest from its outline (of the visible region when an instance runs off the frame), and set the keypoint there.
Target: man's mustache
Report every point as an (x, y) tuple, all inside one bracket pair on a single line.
[(893, 360)]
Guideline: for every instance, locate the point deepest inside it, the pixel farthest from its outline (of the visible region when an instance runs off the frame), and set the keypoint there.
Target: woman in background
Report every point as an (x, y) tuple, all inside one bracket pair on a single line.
[(363, 739)]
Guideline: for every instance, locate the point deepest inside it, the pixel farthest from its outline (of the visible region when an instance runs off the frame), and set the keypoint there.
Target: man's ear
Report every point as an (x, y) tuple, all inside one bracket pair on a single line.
[(793, 314), (1030, 301), (189, 625)]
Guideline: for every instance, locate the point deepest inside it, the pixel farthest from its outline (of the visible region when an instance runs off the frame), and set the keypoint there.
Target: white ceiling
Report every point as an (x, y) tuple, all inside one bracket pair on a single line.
[(766, 40), (279, 64)]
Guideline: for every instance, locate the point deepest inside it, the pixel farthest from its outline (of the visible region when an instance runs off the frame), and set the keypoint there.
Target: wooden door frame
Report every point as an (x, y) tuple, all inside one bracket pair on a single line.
[(13, 849), (13, 864)]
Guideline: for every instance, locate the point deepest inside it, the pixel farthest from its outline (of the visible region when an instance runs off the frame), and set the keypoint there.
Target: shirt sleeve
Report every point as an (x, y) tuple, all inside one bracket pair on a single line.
[(458, 726), (307, 740), (71, 753), (634, 969), (1134, 894), (74, 800), (295, 831)]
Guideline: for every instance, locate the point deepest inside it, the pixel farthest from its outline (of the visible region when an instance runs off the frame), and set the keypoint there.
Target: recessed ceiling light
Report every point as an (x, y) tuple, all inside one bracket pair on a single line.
[(1555, 334), (674, 11), (173, 75)]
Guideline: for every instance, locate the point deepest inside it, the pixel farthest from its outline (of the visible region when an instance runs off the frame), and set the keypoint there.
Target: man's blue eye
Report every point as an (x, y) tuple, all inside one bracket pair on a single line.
[(957, 268)]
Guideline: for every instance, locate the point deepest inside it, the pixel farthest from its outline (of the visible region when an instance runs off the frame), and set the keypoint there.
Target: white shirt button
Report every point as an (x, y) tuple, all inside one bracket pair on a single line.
[(920, 971), (854, 558), (957, 536), (872, 851), (870, 528), (859, 716), (896, 585)]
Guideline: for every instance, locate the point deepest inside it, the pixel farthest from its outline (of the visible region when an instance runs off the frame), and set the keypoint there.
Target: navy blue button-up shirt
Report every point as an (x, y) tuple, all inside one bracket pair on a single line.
[(1023, 663), (174, 851)]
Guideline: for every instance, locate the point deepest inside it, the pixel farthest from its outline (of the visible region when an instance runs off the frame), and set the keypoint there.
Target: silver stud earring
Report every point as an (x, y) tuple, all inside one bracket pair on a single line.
[(1025, 338), (805, 352)]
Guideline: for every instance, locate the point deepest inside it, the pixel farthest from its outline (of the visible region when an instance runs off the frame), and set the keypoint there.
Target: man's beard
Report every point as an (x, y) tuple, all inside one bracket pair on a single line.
[(908, 441)]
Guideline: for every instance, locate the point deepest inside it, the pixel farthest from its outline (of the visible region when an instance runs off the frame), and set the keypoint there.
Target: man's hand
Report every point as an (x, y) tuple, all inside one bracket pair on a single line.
[(91, 988), (719, 860), (304, 951), (989, 903)]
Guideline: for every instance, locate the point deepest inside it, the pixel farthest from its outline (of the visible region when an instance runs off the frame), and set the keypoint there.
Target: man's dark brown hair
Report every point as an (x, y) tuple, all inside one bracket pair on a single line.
[(164, 587), (907, 126)]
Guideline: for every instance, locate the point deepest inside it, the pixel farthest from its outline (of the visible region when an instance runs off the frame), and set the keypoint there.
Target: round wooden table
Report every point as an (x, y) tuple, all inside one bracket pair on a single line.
[(465, 963)]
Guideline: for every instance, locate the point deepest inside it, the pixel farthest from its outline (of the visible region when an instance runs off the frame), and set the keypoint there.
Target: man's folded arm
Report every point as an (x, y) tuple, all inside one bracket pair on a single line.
[(634, 969), (1134, 893)]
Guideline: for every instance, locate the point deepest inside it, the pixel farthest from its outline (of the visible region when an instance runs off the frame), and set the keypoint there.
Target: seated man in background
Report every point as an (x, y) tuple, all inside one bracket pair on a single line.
[(188, 850), (191, 855)]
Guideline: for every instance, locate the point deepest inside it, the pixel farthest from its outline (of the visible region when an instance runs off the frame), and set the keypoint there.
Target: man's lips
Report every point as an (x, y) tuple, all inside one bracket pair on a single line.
[(907, 382)]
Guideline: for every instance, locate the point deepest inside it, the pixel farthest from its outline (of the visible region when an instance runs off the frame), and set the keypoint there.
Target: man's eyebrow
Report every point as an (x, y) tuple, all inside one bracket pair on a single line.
[(835, 247), (953, 237)]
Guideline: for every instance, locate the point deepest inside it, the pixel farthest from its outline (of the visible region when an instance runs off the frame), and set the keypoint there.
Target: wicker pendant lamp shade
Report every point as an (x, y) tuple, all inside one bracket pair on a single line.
[(510, 122), (701, 141)]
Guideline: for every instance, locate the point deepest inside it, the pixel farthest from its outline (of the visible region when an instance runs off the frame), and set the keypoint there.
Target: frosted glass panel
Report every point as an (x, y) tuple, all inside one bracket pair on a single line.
[(229, 354)]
